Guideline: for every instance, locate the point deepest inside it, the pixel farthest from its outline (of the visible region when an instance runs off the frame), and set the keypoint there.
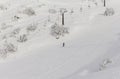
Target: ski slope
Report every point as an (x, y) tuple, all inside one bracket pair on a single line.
[(92, 39)]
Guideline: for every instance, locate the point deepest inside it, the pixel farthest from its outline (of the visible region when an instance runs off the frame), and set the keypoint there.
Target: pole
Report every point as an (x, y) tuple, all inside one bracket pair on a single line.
[(62, 18), (104, 3)]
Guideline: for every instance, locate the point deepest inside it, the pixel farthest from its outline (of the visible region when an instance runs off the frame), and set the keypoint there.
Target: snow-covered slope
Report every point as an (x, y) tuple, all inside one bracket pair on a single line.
[(91, 46)]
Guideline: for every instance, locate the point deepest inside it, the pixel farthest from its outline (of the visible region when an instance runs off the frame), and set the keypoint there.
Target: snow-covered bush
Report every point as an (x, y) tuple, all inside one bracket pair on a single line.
[(109, 12), (16, 18), (4, 26), (2, 7), (52, 11), (71, 11), (58, 31), (7, 49), (4, 37), (29, 11), (22, 38), (15, 32), (3, 53), (31, 28), (81, 9), (104, 64), (41, 5), (63, 10)]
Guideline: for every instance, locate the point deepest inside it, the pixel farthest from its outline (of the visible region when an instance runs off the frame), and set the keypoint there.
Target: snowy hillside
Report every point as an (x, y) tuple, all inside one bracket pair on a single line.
[(35, 44)]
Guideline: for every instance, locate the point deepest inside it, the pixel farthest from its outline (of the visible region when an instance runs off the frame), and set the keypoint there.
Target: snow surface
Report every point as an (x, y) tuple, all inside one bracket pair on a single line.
[(91, 48)]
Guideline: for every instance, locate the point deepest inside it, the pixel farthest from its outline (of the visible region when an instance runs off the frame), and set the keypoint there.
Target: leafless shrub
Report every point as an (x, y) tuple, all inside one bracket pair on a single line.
[(22, 38), (58, 31), (29, 11), (109, 12)]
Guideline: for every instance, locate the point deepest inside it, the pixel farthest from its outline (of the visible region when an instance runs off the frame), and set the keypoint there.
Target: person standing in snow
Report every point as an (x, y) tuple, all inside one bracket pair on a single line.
[(63, 44)]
